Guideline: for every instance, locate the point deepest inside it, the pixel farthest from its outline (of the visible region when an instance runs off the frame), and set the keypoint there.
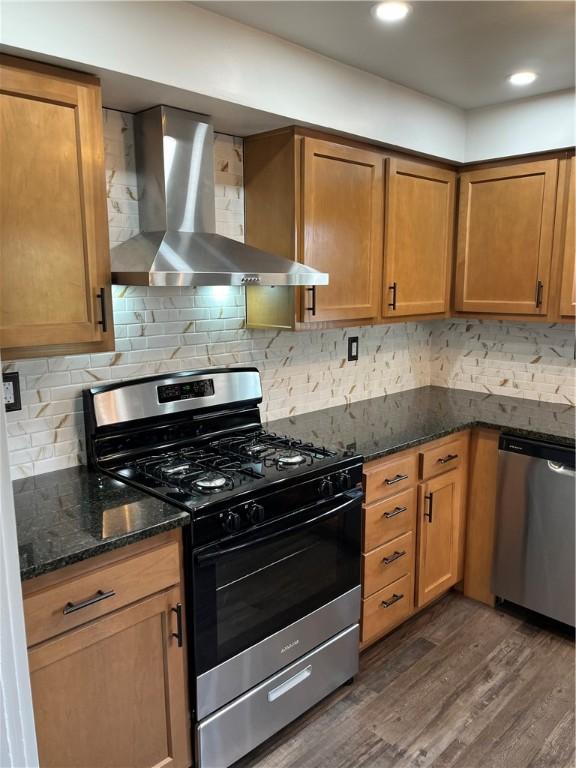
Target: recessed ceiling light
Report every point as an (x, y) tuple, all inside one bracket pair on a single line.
[(391, 11), (522, 78)]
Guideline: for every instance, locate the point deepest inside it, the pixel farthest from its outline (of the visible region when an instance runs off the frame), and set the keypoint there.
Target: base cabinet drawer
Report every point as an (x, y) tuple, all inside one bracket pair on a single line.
[(390, 477), (388, 563), (443, 458), (83, 598), (388, 519), (387, 608)]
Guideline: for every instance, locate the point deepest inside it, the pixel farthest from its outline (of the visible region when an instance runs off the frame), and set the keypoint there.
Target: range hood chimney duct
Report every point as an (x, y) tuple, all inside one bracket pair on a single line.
[(177, 245)]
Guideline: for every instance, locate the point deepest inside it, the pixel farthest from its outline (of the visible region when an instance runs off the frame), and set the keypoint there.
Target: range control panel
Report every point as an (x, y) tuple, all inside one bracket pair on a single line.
[(185, 390)]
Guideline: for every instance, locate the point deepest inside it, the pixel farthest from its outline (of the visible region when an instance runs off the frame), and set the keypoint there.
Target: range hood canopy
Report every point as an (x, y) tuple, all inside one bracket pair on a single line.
[(177, 244)]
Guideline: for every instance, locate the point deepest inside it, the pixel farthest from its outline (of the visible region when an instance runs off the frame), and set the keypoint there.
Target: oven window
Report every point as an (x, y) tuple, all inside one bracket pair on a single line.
[(244, 595)]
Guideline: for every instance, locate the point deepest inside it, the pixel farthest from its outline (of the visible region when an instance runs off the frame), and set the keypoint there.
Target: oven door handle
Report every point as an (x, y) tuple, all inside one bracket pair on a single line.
[(220, 552)]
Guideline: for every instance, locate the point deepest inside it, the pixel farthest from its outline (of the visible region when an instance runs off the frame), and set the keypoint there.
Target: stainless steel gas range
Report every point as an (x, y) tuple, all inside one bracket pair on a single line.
[(272, 555)]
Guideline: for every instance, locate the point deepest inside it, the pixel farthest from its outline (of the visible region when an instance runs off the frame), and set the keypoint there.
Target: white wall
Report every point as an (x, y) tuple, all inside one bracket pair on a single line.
[(520, 127), (17, 736), (186, 47)]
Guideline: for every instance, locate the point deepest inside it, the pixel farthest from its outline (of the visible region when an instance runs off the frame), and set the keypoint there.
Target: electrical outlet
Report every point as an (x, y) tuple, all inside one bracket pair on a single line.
[(353, 348), (11, 391)]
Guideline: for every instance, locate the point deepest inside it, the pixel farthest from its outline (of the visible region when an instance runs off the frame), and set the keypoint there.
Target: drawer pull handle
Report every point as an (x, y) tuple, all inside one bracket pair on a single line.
[(178, 634), (395, 479), (100, 595), (394, 512), (391, 601), (394, 556), (287, 685), (446, 459)]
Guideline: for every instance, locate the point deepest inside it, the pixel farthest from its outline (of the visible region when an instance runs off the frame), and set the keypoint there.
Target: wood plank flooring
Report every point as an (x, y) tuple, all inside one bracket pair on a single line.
[(460, 685)]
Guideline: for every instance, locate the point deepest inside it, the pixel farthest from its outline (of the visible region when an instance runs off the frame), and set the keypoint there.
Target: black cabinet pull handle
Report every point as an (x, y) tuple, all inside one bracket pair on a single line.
[(391, 601), (395, 479), (178, 634), (446, 459), (395, 511), (394, 556), (100, 595), (104, 318), (539, 292), (393, 288), (312, 309), (428, 514)]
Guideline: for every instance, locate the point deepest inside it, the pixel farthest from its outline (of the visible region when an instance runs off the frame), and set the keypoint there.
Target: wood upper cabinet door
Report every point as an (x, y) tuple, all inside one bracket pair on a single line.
[(54, 257), (440, 528), (505, 228), (418, 239), (112, 693), (342, 221), (568, 287)]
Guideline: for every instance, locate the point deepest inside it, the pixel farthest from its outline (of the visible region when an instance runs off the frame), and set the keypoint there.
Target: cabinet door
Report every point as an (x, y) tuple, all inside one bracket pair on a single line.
[(568, 289), (342, 220), (112, 693), (505, 227), (54, 255), (418, 237), (440, 528)]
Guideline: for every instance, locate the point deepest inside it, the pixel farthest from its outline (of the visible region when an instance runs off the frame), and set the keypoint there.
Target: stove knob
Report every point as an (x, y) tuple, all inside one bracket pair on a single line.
[(232, 521), (345, 481), (327, 488), (256, 513)]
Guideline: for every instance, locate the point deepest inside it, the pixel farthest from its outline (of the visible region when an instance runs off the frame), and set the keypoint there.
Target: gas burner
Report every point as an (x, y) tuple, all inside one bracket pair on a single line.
[(290, 459), (174, 468), (257, 449), (212, 481)]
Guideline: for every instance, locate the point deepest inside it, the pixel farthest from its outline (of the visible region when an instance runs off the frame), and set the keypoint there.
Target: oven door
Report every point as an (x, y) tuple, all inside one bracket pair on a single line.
[(263, 598)]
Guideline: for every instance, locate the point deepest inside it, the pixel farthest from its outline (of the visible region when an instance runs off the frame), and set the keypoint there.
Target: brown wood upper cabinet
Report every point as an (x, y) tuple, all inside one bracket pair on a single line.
[(54, 259), (505, 229), (342, 217), (321, 203), (568, 284), (418, 239)]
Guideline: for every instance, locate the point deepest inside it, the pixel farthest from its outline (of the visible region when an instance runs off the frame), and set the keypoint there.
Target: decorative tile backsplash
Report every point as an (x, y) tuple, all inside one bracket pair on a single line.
[(170, 329)]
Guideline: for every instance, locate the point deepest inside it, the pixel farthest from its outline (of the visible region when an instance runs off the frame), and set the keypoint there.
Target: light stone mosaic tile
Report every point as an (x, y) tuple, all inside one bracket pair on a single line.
[(171, 329)]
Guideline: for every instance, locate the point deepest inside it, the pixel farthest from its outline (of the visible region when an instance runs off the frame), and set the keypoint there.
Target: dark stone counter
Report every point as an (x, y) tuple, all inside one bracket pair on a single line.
[(73, 514), (70, 515), (385, 425)]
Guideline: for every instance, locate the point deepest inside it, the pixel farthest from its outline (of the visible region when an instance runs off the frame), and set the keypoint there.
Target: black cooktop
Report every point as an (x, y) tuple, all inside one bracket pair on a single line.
[(193, 475)]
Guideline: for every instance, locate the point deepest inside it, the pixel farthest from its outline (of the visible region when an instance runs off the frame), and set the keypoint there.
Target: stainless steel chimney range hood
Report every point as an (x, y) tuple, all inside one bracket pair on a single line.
[(177, 245)]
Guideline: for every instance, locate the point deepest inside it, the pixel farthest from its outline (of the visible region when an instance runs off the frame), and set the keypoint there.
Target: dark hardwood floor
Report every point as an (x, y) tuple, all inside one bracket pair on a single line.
[(459, 686)]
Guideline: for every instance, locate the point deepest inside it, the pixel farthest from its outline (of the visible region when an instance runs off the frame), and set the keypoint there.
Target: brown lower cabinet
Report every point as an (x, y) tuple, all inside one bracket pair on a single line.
[(111, 689), (413, 531)]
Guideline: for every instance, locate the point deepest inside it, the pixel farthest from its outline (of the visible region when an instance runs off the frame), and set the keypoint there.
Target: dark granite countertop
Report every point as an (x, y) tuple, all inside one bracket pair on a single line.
[(73, 514), (385, 425), (70, 515)]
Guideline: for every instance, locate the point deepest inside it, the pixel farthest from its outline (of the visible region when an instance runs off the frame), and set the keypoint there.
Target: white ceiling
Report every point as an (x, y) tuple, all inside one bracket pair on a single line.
[(458, 51)]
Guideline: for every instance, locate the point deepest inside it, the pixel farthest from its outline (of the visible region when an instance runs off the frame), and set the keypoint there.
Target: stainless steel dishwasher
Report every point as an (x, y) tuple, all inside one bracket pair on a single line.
[(534, 553)]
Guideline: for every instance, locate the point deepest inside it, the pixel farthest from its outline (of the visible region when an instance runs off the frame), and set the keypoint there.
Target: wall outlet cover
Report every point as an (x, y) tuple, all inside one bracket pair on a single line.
[(353, 348), (11, 391)]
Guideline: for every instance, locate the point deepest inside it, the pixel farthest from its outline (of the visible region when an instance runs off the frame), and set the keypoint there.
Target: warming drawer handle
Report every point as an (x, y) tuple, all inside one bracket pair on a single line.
[(391, 601), (446, 459), (292, 682), (394, 512), (396, 555), (100, 595), (395, 479)]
